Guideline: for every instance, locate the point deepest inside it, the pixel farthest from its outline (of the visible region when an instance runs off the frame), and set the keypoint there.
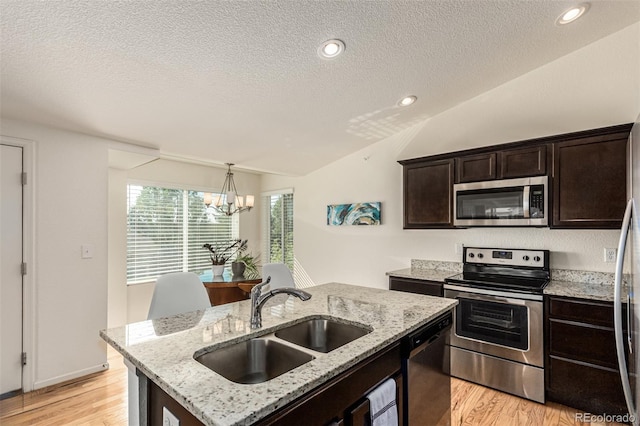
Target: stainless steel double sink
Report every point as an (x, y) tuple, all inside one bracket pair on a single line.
[(260, 359)]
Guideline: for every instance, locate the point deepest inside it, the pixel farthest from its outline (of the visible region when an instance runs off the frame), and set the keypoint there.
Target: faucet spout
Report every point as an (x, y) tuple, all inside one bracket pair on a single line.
[(258, 299)]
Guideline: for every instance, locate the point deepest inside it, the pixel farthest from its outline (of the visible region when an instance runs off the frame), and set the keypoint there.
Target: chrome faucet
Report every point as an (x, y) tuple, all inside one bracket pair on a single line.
[(258, 299)]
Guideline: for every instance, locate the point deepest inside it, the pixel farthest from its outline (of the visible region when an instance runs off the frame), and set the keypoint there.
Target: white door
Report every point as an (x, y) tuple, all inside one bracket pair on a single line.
[(10, 269)]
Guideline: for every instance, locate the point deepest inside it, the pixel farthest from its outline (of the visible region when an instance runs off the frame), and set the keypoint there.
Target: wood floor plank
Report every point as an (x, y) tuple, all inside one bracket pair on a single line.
[(101, 399)]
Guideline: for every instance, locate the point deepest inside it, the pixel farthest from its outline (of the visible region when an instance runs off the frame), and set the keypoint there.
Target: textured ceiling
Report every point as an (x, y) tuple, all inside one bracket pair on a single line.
[(240, 81)]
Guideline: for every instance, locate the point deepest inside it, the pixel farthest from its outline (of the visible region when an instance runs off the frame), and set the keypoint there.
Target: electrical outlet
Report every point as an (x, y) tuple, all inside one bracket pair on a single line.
[(610, 255), (459, 248), (168, 418)]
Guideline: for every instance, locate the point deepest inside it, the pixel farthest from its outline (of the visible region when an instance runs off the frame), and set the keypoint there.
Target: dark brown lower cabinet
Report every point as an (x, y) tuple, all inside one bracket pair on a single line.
[(410, 285), (581, 364), (341, 400)]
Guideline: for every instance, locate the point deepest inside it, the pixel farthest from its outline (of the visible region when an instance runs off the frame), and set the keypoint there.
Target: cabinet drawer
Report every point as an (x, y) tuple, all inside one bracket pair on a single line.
[(430, 288), (592, 389), (592, 344), (585, 311)]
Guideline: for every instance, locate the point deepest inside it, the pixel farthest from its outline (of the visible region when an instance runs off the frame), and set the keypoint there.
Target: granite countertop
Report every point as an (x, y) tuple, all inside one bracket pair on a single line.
[(163, 349), (431, 270), (422, 274), (588, 285), (581, 284)]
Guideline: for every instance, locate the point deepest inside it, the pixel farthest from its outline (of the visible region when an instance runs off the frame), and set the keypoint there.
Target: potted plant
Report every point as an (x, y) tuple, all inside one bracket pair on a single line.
[(221, 253), (250, 268)]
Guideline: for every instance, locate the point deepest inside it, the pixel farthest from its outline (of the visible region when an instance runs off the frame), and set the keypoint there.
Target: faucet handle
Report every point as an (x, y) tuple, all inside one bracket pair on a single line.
[(257, 289)]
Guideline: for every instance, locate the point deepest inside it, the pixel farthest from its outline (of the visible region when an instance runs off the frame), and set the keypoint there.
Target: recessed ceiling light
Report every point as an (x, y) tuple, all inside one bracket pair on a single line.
[(572, 14), (407, 100), (331, 48)]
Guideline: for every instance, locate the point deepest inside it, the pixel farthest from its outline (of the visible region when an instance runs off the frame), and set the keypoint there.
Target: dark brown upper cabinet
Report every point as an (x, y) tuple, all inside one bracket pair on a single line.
[(506, 164), (474, 168), (587, 177), (428, 189), (590, 181), (522, 162)]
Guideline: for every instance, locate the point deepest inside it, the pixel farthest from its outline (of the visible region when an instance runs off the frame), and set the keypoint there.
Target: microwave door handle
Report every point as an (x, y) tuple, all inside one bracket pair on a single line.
[(525, 201)]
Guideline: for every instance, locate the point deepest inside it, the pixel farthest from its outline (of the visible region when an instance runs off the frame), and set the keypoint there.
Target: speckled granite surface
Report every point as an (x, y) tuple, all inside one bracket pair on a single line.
[(581, 284), (564, 282), (431, 270), (163, 349)]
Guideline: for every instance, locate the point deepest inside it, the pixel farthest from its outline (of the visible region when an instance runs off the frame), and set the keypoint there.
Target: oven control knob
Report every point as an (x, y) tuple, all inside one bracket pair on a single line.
[(525, 258), (536, 258), (471, 255), (480, 255)]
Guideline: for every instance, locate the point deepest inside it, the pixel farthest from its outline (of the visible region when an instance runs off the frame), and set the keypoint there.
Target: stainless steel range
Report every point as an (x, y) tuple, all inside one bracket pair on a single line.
[(498, 331)]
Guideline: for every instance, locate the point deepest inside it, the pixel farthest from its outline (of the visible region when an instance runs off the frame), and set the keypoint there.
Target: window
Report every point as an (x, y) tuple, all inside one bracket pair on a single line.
[(166, 229), (279, 226)]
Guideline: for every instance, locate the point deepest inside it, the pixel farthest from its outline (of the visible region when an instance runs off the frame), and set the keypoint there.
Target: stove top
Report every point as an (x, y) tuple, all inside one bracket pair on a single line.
[(519, 270), (522, 285)]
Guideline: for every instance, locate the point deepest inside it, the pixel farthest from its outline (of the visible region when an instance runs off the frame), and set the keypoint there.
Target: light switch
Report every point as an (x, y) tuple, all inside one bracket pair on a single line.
[(87, 251)]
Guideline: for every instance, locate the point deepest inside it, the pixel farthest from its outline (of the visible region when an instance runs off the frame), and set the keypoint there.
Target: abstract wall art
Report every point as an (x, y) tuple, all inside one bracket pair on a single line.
[(354, 214)]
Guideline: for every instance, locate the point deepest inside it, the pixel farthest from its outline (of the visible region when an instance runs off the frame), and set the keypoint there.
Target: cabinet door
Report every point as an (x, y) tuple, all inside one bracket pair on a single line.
[(474, 168), (589, 183), (428, 189), (430, 288), (523, 162)]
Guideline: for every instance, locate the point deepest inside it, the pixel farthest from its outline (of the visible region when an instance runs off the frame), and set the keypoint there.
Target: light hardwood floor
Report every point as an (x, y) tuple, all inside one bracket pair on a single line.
[(101, 399)]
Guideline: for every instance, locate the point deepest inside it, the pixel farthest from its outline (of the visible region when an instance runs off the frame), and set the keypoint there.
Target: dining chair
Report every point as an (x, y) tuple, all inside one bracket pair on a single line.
[(280, 275), (177, 293), (174, 293)]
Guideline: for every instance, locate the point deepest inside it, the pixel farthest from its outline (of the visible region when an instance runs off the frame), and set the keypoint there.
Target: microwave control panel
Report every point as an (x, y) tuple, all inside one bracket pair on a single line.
[(536, 201)]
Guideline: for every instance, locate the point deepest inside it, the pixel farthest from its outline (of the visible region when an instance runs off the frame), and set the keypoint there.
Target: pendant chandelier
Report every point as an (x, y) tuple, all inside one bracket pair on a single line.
[(227, 201)]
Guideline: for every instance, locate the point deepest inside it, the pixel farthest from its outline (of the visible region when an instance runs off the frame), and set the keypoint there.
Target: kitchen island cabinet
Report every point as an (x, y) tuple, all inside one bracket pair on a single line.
[(163, 351)]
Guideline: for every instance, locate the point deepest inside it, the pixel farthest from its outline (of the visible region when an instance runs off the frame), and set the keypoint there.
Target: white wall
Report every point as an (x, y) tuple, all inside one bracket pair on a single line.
[(594, 87), (138, 297), (70, 176), (117, 293)]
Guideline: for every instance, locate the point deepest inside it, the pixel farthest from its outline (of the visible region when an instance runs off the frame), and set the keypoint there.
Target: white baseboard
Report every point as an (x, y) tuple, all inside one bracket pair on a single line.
[(70, 376)]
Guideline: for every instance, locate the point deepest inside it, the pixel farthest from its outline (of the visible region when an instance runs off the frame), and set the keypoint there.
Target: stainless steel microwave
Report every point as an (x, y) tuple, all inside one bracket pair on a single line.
[(507, 202)]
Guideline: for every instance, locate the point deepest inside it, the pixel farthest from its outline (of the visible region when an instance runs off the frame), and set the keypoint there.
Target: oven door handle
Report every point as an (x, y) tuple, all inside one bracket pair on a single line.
[(491, 295)]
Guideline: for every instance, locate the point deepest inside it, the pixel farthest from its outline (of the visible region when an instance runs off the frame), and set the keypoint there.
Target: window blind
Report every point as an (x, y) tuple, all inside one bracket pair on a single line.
[(279, 220), (166, 229)]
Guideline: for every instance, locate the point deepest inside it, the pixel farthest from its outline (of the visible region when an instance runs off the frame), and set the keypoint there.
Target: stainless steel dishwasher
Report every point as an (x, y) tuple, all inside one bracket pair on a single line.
[(425, 367)]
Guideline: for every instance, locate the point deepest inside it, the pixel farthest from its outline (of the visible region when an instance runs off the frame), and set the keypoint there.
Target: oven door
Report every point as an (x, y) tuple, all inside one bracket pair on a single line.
[(497, 323)]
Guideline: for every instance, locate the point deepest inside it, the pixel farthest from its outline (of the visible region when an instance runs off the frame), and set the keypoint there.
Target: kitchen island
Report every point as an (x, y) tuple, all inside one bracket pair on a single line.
[(163, 350)]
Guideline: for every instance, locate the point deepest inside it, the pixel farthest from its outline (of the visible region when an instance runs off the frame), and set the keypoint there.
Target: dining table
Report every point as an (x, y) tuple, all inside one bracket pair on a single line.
[(227, 288)]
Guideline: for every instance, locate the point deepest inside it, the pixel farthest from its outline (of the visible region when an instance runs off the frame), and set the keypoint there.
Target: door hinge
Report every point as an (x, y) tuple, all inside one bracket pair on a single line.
[(23, 268), (24, 178), (24, 358)]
